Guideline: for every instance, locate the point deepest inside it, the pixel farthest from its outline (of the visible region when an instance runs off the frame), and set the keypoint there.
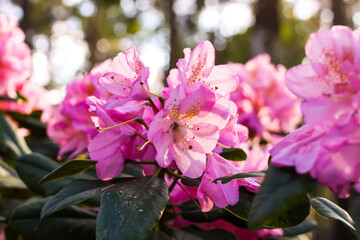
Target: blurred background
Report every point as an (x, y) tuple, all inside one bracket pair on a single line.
[(69, 37)]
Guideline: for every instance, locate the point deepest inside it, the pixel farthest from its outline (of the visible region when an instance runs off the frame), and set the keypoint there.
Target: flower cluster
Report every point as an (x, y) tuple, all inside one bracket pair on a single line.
[(328, 144), (204, 110), (15, 69)]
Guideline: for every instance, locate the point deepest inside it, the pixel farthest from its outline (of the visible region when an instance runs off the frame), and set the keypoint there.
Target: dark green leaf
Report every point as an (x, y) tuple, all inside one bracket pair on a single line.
[(304, 227), (282, 200), (33, 167), (71, 223), (227, 179), (11, 145), (242, 207), (191, 182), (193, 232), (77, 191), (68, 169), (192, 212), (328, 209), (9, 178), (157, 234), (234, 154), (131, 209)]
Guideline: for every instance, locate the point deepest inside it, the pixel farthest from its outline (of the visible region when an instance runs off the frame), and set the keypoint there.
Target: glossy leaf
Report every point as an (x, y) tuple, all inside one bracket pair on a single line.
[(282, 200), (11, 145), (234, 154), (306, 226), (33, 167), (9, 178), (68, 169), (71, 223), (77, 191), (328, 209), (227, 179), (131, 209), (192, 212)]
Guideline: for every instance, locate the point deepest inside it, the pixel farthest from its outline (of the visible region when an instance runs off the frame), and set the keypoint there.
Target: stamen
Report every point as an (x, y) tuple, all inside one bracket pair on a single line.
[(154, 94), (117, 125), (144, 138), (143, 146), (182, 139), (113, 78), (103, 189), (224, 146)]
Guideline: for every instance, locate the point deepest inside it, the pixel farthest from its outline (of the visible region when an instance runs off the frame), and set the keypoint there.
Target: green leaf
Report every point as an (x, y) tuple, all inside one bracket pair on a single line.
[(306, 226), (192, 212), (282, 200), (195, 233), (191, 182), (71, 223), (242, 207), (78, 191), (33, 167), (157, 234), (68, 169), (9, 178), (328, 209), (129, 210), (234, 154), (11, 145), (227, 179)]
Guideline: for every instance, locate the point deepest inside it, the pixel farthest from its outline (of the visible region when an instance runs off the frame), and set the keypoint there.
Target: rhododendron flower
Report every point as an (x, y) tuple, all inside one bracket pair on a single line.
[(15, 58), (71, 125), (331, 79), (188, 128), (126, 79), (106, 146), (264, 104), (221, 195), (334, 65), (328, 153), (198, 68)]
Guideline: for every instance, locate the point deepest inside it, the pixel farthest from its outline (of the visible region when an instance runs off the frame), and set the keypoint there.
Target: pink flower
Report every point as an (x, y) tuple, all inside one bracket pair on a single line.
[(71, 124), (15, 58), (334, 65), (198, 68), (126, 79), (331, 79), (264, 104), (221, 195), (329, 153), (188, 128)]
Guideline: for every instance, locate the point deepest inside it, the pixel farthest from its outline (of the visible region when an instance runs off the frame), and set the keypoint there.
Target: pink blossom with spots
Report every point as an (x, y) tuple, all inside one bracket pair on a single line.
[(15, 58), (188, 128), (71, 125), (332, 77), (198, 68), (264, 104), (126, 79)]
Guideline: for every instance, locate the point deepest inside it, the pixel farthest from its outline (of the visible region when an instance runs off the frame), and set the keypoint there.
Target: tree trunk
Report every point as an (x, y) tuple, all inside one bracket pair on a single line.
[(338, 8), (266, 28)]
